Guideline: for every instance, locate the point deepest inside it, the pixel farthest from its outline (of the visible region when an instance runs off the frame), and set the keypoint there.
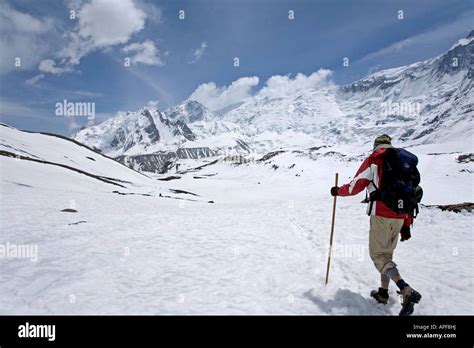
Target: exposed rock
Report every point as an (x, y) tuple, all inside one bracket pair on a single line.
[(457, 208), (465, 158), (183, 192), (77, 223), (161, 162), (270, 155), (169, 178)]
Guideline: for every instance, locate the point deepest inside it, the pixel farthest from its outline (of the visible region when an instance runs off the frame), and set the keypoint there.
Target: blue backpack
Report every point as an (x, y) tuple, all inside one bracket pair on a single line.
[(400, 190)]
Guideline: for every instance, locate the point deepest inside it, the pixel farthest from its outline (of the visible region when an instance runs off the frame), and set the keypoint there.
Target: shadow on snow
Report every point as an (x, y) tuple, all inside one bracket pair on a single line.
[(349, 303)]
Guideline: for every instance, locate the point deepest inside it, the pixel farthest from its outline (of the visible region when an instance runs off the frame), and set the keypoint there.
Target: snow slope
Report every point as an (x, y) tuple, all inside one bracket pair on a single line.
[(261, 248), (56, 149), (51, 162)]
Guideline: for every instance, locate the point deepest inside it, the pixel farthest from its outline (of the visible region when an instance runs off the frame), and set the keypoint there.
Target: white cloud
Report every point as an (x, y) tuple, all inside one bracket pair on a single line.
[(216, 98), (73, 125), (87, 94), (394, 48), (23, 22), (145, 53), (199, 52), (280, 86), (72, 53), (34, 79), (153, 103), (49, 66), (74, 4), (153, 13), (103, 24), (23, 36), (110, 22)]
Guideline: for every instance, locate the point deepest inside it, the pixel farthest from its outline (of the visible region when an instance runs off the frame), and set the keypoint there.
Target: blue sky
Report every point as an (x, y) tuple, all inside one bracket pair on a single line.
[(82, 59)]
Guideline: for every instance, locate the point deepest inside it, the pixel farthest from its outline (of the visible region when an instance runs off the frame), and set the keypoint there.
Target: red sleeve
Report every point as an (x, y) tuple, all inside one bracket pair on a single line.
[(362, 178), (408, 220)]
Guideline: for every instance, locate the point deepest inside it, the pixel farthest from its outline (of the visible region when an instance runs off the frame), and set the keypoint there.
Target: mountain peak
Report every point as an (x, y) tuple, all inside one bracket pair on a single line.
[(465, 41), (188, 111), (193, 102)]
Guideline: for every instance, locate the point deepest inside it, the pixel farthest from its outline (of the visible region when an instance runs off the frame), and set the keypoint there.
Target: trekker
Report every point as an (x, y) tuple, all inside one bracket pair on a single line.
[(391, 179)]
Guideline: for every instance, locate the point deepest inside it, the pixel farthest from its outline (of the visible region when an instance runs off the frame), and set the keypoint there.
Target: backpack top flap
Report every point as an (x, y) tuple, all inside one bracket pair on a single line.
[(400, 164), (407, 161)]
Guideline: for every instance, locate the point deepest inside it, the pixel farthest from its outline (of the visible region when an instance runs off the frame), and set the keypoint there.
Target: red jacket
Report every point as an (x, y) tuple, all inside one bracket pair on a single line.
[(371, 170)]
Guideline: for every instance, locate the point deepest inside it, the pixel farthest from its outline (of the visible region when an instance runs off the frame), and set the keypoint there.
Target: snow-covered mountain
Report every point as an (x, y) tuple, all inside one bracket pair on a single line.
[(151, 141), (428, 101), (146, 140), (425, 102), (134, 133)]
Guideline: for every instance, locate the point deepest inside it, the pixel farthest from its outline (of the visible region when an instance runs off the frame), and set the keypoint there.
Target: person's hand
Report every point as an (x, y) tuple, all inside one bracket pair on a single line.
[(405, 233), (334, 190)]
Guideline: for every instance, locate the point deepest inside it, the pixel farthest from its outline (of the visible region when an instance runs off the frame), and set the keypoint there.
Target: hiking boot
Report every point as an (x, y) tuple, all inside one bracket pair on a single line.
[(409, 298), (380, 295)]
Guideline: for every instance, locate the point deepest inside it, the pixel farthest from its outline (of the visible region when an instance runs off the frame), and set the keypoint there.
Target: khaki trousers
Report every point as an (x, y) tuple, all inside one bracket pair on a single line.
[(383, 238)]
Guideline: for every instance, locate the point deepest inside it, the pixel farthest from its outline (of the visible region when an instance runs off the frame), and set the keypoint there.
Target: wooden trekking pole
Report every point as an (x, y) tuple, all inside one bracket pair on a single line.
[(332, 230)]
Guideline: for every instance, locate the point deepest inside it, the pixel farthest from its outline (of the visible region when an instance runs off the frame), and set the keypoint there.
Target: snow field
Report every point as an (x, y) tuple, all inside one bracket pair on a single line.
[(259, 249)]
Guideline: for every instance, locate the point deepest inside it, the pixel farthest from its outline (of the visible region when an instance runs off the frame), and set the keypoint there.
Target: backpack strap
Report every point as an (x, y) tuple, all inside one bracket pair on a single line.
[(374, 196), (371, 206)]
